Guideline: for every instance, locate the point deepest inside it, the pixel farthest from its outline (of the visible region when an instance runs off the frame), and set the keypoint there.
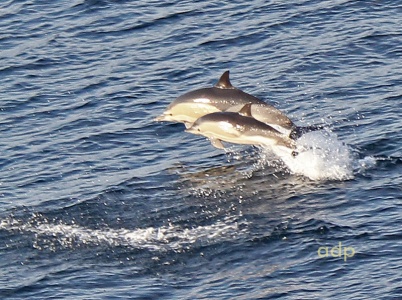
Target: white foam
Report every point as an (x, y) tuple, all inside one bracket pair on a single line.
[(364, 164), (321, 156), (171, 237)]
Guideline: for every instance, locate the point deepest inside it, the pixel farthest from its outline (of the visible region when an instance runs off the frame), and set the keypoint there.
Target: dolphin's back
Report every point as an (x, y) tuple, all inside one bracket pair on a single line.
[(241, 123), (222, 98)]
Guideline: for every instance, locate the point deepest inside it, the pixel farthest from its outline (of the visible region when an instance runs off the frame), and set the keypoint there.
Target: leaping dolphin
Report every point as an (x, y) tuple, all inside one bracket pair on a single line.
[(239, 129), (221, 97), (267, 114)]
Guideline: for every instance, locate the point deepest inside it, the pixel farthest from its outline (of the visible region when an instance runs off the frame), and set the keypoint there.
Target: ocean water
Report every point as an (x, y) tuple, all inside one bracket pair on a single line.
[(99, 201)]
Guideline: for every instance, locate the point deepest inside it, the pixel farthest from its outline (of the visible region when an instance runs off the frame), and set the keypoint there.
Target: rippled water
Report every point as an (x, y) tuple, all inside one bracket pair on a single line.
[(99, 201)]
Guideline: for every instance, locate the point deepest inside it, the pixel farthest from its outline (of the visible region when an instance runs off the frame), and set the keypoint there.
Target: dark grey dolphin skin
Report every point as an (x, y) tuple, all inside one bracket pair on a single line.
[(298, 131), (223, 95), (275, 120)]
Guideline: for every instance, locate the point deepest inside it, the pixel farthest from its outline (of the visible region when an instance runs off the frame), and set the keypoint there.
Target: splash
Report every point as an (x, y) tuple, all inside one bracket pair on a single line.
[(366, 163), (172, 237), (321, 156)]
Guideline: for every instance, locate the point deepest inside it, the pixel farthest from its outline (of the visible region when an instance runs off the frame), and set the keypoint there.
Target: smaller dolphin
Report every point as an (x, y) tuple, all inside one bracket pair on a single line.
[(235, 128), (266, 114), (195, 104), (274, 118)]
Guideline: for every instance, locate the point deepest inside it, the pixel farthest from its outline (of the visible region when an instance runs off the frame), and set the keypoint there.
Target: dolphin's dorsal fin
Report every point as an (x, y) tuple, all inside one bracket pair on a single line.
[(224, 82), (246, 110)]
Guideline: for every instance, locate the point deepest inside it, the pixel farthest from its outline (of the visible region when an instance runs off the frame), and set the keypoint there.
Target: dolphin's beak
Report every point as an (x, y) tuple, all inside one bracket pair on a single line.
[(191, 130), (159, 118)]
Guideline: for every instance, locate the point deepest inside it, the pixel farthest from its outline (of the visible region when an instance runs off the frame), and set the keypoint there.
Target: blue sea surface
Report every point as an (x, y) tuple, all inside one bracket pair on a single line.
[(99, 201)]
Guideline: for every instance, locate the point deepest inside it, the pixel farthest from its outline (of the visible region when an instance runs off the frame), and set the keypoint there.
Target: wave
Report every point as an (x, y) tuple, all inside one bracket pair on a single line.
[(165, 238)]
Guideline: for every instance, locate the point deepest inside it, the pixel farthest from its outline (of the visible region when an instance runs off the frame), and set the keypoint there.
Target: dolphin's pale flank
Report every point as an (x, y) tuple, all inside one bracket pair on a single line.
[(239, 129), (195, 104)]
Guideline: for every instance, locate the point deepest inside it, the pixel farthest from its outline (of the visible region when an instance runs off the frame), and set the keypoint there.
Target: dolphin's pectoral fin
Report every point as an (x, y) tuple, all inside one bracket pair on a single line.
[(224, 82), (246, 110), (217, 143)]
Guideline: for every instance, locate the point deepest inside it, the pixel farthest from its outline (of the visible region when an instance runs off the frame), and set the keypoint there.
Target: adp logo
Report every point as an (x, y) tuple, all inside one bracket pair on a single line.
[(336, 251)]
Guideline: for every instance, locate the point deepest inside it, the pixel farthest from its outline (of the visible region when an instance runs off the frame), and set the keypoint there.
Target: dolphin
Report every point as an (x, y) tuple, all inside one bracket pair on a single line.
[(274, 118), (236, 128), (221, 97), (267, 114)]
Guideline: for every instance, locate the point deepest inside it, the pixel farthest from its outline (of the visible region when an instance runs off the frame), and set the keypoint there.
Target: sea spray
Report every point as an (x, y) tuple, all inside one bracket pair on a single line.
[(321, 156), (52, 236)]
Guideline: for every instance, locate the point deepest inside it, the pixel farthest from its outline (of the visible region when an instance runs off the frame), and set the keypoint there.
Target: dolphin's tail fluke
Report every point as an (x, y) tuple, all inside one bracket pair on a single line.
[(298, 131)]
